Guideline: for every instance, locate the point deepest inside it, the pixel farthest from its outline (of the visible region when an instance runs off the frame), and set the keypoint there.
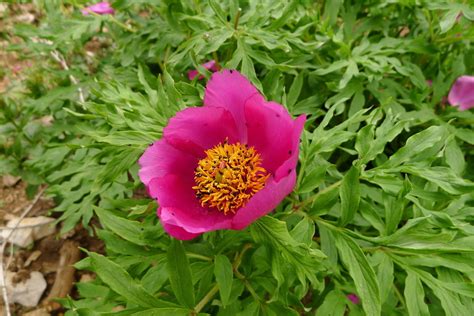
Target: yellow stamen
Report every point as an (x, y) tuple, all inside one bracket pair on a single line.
[(229, 176)]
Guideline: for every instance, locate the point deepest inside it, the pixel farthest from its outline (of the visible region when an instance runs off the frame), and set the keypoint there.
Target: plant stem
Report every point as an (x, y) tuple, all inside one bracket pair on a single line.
[(400, 296), (237, 18), (314, 197), (206, 299), (197, 256)]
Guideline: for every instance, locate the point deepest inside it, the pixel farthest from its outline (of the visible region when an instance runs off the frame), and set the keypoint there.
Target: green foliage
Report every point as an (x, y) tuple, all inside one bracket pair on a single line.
[(385, 195)]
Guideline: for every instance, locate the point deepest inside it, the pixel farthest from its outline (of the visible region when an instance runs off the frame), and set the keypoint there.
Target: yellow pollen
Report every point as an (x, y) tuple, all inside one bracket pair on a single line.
[(229, 176)]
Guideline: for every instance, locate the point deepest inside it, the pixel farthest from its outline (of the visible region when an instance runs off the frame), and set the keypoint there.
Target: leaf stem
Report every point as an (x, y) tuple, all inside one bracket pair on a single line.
[(206, 299), (314, 197), (400, 296), (197, 256)]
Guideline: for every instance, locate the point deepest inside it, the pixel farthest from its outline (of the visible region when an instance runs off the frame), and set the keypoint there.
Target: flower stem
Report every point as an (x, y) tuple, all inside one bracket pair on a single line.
[(206, 299)]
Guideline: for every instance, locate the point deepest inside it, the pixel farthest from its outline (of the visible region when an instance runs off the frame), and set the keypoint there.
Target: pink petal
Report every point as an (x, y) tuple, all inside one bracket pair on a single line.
[(210, 65), (291, 162), (353, 298), (180, 207), (462, 93), (271, 130), (178, 233), (99, 8), (196, 129), (161, 158), (264, 201), (229, 89)]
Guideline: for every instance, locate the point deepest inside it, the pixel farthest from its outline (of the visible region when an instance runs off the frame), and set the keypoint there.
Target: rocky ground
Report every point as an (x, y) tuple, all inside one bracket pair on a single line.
[(37, 260)]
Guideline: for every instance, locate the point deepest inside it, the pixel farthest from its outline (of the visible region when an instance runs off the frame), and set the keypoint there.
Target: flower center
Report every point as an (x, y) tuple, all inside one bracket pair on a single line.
[(229, 176)]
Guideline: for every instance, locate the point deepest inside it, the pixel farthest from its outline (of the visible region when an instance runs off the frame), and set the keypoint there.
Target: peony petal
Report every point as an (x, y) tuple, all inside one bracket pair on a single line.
[(99, 8), (353, 298), (178, 233), (462, 93), (180, 207), (161, 158), (229, 89), (264, 201), (273, 133), (290, 164), (196, 129), (210, 65)]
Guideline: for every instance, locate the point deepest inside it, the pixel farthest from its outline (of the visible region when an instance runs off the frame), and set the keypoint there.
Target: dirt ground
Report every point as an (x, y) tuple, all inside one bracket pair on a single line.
[(52, 255)]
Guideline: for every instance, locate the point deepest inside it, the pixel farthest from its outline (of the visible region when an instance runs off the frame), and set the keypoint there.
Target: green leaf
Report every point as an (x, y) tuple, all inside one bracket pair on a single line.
[(444, 177), (127, 229), (224, 275), (270, 231), (385, 275), (448, 20), (155, 277), (313, 179), (331, 10), (295, 90), (454, 156), (163, 312), (417, 143), (121, 282), (218, 11), (180, 274), (415, 296), (334, 304), (349, 193), (361, 272)]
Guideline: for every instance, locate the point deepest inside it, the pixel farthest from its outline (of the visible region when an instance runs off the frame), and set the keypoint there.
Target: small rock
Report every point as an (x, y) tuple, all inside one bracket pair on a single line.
[(34, 255), (29, 230), (27, 292), (3, 8), (9, 180), (47, 120)]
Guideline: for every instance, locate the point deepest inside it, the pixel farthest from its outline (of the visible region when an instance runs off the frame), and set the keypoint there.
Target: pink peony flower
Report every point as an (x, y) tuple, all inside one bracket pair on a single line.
[(225, 164), (99, 8), (353, 298), (462, 93), (210, 65)]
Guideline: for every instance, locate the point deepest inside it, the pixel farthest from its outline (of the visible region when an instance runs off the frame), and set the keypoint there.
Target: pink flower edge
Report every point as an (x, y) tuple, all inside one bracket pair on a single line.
[(462, 93), (233, 110), (210, 65), (102, 8), (353, 298)]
